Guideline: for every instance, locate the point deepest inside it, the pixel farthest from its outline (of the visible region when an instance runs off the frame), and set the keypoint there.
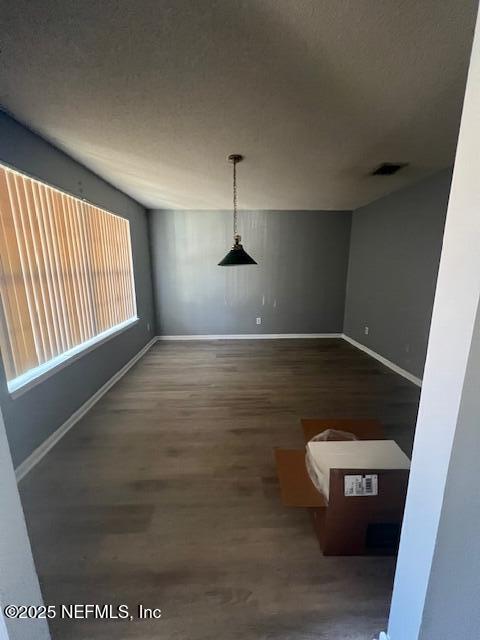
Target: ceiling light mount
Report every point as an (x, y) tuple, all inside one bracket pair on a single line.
[(237, 254)]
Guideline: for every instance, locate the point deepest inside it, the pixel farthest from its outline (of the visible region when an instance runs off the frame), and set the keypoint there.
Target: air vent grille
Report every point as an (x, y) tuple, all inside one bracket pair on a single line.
[(388, 168)]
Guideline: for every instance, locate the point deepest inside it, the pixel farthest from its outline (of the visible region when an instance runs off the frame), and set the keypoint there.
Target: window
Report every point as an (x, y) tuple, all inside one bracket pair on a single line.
[(66, 279)]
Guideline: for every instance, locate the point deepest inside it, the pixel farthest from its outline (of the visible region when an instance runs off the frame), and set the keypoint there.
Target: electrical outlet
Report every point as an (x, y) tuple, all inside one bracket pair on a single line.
[(366, 330), (259, 321)]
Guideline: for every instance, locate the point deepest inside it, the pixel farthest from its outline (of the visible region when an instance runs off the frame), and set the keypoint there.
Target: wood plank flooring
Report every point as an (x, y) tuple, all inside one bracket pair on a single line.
[(165, 494)]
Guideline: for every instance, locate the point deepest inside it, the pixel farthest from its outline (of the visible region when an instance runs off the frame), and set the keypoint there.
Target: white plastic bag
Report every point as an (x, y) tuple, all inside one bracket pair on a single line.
[(333, 434), (317, 478)]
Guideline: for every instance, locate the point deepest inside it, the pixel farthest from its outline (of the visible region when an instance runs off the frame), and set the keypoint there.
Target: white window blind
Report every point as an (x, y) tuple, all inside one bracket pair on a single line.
[(66, 274)]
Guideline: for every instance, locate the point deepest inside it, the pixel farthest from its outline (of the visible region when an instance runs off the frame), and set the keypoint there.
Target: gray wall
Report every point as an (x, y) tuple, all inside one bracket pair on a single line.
[(297, 287), (34, 415), (394, 255)]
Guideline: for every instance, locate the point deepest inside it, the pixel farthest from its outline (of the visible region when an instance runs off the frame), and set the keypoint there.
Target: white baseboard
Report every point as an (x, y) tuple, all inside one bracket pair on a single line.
[(253, 336), (28, 464), (35, 457), (296, 336), (391, 365)]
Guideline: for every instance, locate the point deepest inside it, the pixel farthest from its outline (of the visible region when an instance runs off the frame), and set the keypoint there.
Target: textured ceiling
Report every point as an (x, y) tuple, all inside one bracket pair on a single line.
[(154, 94)]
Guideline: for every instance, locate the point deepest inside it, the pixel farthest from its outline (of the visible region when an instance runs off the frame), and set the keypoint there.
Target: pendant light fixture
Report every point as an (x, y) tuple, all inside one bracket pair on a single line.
[(237, 254)]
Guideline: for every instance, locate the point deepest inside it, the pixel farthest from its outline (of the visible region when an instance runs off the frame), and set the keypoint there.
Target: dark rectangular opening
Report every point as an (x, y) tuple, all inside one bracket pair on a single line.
[(388, 168), (383, 535)]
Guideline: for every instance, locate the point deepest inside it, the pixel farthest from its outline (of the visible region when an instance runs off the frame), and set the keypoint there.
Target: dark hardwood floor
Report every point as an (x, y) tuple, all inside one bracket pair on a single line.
[(165, 494)]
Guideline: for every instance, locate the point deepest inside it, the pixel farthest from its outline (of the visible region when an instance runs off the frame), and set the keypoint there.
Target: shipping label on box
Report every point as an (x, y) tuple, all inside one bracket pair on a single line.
[(361, 485)]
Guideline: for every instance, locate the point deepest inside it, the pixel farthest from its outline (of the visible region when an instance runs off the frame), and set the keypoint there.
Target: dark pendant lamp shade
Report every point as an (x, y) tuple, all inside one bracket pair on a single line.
[(237, 255)]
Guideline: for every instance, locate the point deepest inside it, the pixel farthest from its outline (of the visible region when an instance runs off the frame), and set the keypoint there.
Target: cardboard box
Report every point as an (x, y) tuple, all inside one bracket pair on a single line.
[(346, 524)]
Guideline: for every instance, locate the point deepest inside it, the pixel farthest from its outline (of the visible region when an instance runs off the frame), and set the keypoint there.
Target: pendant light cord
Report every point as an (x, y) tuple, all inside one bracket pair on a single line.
[(237, 254), (234, 198)]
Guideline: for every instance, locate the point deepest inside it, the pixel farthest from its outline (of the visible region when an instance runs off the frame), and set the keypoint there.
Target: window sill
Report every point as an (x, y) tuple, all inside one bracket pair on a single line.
[(25, 382)]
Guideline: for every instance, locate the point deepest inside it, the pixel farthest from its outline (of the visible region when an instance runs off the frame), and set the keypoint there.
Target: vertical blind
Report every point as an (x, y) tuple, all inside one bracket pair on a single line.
[(66, 272)]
